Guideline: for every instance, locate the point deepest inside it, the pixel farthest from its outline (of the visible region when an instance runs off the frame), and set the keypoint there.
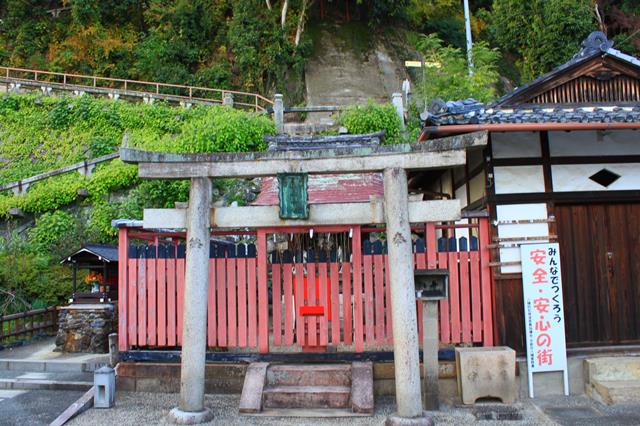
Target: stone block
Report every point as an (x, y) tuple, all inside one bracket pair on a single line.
[(613, 380), (362, 387), (254, 382), (307, 397), (127, 384), (386, 370), (486, 373), (309, 375)]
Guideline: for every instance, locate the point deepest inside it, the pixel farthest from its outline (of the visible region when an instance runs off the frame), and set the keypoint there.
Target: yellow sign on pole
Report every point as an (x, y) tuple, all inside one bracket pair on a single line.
[(413, 64)]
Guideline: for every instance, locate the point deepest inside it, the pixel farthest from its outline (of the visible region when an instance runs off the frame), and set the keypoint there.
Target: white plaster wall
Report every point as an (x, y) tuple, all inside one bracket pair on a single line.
[(575, 177), (594, 143), (519, 212), (477, 187), (518, 179), (515, 144), (461, 194)]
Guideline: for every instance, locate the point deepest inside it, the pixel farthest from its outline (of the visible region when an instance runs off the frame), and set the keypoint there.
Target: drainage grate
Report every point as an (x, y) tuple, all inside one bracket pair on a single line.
[(497, 412)]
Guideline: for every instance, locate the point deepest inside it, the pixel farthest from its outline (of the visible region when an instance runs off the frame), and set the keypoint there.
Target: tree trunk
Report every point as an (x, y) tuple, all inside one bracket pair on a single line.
[(301, 20), (283, 17), (268, 4)]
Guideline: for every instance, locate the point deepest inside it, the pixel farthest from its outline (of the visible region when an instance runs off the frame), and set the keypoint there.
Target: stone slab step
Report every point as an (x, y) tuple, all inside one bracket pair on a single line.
[(309, 375), (616, 391), (308, 412), (43, 384), (53, 366), (307, 397)]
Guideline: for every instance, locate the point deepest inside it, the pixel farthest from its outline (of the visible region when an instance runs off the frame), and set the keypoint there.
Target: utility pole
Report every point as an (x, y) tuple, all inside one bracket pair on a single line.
[(467, 24)]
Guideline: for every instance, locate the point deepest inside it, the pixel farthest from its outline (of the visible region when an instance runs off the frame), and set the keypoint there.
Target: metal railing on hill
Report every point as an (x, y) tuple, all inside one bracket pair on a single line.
[(133, 88)]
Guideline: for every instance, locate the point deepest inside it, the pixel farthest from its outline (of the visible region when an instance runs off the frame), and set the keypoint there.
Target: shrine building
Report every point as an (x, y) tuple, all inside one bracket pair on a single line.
[(562, 164)]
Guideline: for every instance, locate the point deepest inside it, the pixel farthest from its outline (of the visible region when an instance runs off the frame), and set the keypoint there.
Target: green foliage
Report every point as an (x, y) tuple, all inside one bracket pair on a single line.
[(111, 177), (371, 118), (55, 232), (446, 74), (222, 43), (51, 194), (541, 33), (216, 129), (30, 274)]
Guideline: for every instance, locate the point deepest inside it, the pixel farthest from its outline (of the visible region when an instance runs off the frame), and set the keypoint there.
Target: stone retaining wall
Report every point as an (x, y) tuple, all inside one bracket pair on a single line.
[(86, 328)]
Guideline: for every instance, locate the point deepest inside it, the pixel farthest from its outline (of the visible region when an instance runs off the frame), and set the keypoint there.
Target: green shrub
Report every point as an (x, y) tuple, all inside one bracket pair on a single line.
[(55, 232), (216, 129), (110, 177), (30, 275), (373, 117), (52, 193)]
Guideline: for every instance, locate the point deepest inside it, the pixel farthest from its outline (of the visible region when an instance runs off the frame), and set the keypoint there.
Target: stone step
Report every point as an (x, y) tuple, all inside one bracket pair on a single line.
[(615, 391), (309, 413), (47, 381), (309, 375), (54, 366), (307, 397), (44, 385)]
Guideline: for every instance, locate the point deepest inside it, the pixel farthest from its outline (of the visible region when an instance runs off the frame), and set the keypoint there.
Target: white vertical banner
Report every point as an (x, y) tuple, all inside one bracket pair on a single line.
[(543, 311)]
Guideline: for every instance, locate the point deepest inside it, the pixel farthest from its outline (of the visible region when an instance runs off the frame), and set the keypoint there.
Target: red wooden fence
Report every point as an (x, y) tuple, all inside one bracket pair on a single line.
[(268, 306)]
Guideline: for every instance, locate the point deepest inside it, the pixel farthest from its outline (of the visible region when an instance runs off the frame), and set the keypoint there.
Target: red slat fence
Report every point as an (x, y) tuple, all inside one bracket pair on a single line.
[(307, 299)]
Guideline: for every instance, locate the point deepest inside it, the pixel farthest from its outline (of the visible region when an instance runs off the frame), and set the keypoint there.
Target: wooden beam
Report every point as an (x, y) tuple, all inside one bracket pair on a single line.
[(434, 154), (319, 214)]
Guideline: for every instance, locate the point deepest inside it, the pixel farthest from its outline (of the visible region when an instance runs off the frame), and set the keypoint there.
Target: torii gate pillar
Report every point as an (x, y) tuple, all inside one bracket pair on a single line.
[(194, 325), (403, 302)]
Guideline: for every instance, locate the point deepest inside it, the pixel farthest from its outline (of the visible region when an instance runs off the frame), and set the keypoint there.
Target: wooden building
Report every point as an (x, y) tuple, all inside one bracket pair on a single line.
[(562, 164), (102, 263)]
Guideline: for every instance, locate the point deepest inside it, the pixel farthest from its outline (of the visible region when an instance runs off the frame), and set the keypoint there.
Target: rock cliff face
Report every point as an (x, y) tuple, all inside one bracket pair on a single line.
[(86, 328), (351, 64)]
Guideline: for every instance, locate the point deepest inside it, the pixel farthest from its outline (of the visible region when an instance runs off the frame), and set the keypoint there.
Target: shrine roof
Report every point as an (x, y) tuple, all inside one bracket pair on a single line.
[(322, 189)]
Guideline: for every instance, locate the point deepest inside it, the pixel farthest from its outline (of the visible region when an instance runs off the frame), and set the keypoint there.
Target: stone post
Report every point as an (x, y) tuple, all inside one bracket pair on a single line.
[(396, 100), (403, 301), (194, 331), (430, 354), (278, 113), (227, 99)]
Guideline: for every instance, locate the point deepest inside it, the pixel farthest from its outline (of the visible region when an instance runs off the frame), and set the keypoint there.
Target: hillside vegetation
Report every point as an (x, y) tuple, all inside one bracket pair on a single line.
[(258, 45)]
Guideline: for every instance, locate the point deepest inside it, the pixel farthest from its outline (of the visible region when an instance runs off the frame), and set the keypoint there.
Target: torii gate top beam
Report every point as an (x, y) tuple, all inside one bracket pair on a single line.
[(435, 154)]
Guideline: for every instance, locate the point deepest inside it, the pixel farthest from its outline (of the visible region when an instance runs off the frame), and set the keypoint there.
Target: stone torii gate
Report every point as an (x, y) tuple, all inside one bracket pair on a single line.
[(396, 211)]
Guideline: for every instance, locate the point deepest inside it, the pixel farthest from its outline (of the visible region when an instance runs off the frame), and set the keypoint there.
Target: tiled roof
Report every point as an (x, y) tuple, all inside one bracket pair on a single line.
[(105, 252), (596, 44), (322, 189), (470, 111), (482, 114)]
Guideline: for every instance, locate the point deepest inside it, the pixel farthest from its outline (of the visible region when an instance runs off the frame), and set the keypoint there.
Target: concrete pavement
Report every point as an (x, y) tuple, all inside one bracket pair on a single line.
[(34, 408)]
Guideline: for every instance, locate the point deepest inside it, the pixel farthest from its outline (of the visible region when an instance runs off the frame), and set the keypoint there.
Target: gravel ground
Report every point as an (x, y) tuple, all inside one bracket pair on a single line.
[(152, 409)]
